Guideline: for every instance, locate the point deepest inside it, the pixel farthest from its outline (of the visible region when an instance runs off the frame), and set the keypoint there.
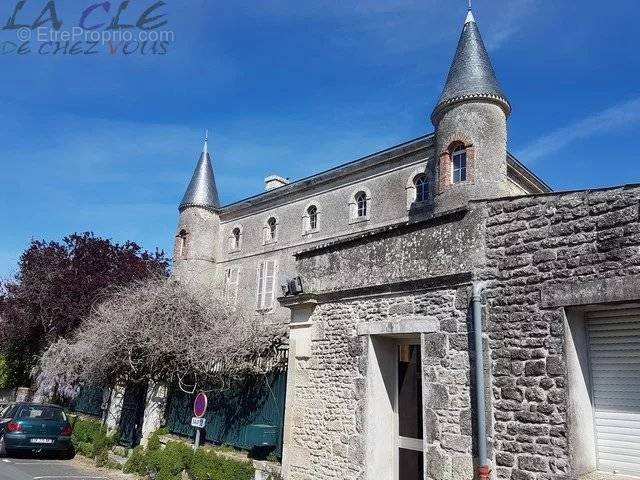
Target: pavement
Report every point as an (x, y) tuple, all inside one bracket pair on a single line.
[(37, 468)]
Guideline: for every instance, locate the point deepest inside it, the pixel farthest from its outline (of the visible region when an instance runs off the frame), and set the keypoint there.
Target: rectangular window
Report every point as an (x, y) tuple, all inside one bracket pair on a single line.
[(231, 281), (459, 166), (266, 284)]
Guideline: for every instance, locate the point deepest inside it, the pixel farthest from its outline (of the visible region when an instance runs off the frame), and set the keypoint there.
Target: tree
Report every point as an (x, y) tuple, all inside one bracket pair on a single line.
[(160, 329), (55, 287)]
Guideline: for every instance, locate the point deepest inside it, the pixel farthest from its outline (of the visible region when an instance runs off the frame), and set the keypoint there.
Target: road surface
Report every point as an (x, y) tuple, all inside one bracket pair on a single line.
[(34, 468)]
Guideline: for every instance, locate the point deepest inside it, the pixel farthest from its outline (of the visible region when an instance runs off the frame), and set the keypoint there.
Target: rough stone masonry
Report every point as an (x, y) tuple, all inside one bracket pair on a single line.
[(527, 250)]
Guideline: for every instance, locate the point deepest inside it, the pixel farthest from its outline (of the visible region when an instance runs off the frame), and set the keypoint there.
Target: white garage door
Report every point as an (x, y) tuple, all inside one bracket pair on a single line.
[(614, 338)]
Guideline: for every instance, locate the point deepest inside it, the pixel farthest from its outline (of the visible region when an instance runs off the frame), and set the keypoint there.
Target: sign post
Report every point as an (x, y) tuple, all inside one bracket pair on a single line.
[(199, 409)]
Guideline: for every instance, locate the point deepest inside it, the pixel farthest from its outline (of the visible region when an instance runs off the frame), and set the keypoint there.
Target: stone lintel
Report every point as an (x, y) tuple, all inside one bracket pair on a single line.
[(414, 324), (585, 292), (422, 284)]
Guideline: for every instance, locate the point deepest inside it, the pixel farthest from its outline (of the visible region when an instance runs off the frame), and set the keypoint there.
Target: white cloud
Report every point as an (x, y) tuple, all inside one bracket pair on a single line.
[(509, 21), (614, 118)]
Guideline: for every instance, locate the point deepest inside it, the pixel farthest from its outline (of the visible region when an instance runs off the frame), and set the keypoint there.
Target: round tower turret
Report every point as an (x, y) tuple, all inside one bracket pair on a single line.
[(470, 119), (198, 229)]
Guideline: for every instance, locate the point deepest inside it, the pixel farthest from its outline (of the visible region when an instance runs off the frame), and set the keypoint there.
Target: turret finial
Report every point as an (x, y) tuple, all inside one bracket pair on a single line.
[(205, 149), (470, 18)]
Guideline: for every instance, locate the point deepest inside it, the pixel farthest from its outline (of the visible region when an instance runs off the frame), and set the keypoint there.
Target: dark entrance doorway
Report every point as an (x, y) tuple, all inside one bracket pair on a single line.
[(132, 415)]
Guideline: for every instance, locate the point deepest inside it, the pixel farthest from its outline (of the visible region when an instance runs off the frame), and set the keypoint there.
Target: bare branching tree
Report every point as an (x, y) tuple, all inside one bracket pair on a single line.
[(162, 330)]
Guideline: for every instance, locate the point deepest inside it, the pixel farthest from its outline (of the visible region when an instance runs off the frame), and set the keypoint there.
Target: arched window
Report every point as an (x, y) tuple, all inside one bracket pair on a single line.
[(235, 238), (312, 213), (181, 244), (272, 229), (459, 164), (361, 204), (422, 188)]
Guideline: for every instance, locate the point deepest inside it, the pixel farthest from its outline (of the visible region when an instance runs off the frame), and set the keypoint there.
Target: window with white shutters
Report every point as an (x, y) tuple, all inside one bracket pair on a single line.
[(231, 281), (266, 285)]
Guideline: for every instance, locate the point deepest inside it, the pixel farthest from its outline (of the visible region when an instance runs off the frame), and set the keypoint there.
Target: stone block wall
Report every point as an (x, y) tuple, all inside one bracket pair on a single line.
[(448, 409), (329, 437), (537, 245)]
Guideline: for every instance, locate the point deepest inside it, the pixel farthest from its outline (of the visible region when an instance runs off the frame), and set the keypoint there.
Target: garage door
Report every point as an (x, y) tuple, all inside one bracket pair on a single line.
[(614, 339)]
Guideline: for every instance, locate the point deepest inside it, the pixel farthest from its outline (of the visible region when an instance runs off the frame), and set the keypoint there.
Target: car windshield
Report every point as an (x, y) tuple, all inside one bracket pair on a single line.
[(40, 412)]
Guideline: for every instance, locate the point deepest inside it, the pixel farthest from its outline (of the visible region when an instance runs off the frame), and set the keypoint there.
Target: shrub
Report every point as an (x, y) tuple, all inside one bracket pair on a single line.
[(154, 442), (84, 431), (103, 442), (137, 462), (91, 439), (169, 462), (207, 465), (84, 448)]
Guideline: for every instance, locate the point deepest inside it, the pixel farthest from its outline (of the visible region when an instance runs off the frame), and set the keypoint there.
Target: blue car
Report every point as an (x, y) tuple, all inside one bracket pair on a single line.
[(27, 427)]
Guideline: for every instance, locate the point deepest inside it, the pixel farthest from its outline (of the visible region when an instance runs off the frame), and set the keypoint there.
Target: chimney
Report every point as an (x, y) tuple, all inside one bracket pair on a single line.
[(274, 181)]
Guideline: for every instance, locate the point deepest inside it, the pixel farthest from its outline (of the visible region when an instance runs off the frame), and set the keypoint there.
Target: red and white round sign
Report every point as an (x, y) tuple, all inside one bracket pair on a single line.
[(200, 405)]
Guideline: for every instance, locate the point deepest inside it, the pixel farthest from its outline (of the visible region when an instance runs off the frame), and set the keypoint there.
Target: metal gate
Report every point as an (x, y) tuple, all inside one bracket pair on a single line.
[(614, 350), (231, 414), (132, 415)]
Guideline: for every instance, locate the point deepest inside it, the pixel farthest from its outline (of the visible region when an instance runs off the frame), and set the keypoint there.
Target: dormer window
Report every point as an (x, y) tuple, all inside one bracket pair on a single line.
[(271, 231), (312, 211), (459, 164), (361, 205), (236, 235), (311, 219), (422, 188)]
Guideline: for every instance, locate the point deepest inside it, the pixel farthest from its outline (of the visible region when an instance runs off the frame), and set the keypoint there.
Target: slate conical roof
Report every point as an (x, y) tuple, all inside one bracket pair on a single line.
[(471, 74), (202, 191)]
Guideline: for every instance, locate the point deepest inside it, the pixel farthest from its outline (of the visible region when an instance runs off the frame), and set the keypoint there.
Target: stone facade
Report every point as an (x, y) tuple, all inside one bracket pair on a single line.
[(525, 250), (403, 274), (536, 247)]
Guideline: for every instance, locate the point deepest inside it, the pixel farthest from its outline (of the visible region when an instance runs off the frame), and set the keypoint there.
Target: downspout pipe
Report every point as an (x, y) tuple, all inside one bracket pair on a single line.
[(481, 412)]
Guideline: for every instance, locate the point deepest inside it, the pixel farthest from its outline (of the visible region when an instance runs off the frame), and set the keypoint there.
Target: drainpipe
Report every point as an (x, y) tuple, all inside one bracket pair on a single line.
[(483, 464)]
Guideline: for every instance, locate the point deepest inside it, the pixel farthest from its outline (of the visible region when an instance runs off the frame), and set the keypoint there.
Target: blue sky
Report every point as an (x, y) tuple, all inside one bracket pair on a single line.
[(107, 143)]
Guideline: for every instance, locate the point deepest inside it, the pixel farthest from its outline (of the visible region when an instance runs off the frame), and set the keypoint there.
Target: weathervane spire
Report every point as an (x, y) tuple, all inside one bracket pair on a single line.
[(470, 18), (205, 149)]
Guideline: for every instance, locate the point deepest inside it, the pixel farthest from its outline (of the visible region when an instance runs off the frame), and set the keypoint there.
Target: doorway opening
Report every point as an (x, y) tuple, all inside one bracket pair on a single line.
[(408, 412)]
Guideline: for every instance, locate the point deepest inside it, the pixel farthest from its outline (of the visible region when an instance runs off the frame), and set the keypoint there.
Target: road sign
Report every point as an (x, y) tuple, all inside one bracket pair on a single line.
[(198, 422), (200, 405)]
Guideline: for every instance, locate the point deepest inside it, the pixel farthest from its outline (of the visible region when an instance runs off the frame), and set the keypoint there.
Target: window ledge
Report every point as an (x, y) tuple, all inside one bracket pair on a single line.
[(270, 242), (311, 232), (359, 220), (265, 311), (424, 204)]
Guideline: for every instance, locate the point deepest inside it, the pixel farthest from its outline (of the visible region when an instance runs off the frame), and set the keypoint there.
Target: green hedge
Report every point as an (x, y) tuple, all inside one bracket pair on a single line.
[(206, 465), (169, 462), (91, 439)]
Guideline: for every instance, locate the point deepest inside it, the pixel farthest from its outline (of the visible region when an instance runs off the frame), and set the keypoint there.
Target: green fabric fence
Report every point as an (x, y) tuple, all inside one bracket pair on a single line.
[(256, 401)]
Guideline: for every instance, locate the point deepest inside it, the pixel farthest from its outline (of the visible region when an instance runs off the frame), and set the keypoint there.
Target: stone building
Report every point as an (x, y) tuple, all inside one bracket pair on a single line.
[(450, 317)]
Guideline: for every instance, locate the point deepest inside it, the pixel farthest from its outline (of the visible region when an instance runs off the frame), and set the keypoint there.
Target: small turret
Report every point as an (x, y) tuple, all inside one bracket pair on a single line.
[(199, 225), (471, 126), (202, 190)]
